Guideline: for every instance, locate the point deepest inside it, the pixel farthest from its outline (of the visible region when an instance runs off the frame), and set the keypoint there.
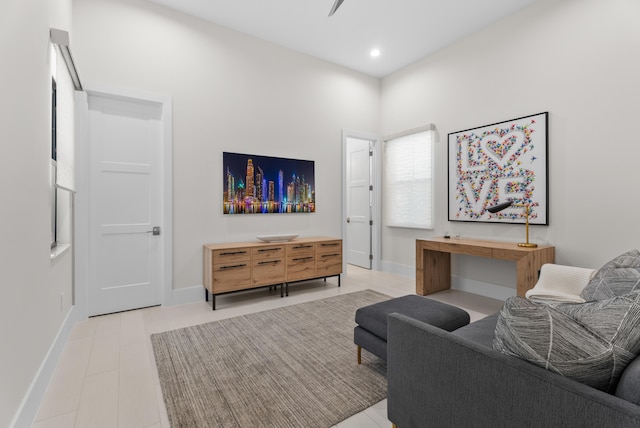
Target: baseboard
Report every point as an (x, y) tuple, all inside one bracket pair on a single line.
[(398, 269), (457, 283), (28, 409), (181, 296), (486, 289)]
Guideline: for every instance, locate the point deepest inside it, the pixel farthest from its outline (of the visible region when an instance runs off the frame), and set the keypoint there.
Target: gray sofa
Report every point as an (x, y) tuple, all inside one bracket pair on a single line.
[(456, 379)]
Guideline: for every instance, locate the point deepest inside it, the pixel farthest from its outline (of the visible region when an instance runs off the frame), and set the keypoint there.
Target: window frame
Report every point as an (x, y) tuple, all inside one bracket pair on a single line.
[(54, 164)]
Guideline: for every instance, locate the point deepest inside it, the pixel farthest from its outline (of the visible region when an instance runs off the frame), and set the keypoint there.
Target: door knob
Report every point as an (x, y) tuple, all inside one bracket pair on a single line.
[(155, 231), (348, 220)]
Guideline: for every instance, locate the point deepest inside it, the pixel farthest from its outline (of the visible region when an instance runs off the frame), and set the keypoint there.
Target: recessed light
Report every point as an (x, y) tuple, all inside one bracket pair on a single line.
[(375, 52)]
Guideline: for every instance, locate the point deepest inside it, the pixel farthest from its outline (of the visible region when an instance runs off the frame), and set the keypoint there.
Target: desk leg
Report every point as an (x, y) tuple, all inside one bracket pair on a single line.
[(433, 271), (527, 268)]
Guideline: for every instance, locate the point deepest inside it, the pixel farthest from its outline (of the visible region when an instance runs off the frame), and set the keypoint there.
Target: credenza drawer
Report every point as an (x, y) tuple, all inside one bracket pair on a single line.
[(267, 271), (229, 277), (268, 252), (301, 266), (329, 264), (231, 255), (301, 249), (329, 246)]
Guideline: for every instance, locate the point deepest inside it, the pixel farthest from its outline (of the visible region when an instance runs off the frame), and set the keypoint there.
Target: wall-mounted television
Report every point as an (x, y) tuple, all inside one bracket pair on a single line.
[(254, 184)]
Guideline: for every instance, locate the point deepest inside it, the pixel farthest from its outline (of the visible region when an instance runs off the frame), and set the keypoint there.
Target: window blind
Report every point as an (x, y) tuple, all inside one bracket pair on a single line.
[(408, 184)]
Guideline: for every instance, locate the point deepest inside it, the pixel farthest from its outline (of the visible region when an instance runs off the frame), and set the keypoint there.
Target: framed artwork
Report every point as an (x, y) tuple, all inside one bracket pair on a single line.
[(254, 184), (501, 162)]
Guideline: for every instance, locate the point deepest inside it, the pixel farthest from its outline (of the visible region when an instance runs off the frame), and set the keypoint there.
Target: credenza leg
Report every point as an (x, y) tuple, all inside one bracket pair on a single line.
[(286, 291), (206, 295), (213, 302), (338, 280)]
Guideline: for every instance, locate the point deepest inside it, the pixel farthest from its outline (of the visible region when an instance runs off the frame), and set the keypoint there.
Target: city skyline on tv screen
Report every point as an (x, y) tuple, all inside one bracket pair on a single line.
[(254, 184)]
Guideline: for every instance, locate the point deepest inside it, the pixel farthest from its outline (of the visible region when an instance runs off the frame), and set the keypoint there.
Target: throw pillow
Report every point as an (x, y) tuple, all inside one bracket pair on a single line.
[(560, 284), (591, 343), (619, 276)]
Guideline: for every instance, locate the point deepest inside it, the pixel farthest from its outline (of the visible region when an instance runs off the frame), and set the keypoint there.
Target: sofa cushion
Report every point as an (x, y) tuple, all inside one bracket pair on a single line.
[(629, 386), (619, 276), (591, 343), (480, 332)]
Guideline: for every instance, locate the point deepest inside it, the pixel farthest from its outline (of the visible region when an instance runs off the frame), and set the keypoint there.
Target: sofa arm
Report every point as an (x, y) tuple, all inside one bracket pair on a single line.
[(437, 379)]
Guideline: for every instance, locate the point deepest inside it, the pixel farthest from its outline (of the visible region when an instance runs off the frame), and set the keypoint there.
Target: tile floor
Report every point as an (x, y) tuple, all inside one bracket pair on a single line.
[(106, 376)]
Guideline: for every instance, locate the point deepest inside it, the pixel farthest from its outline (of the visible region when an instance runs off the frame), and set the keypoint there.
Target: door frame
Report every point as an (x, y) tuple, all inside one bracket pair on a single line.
[(376, 211), (83, 174)]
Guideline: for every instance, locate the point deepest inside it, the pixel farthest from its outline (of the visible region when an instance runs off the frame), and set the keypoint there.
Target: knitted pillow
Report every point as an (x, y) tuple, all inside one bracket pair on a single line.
[(619, 276), (560, 284), (591, 343)]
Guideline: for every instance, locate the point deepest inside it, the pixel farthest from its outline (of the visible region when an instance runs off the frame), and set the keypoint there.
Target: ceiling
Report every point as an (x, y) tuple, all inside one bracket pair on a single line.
[(403, 30)]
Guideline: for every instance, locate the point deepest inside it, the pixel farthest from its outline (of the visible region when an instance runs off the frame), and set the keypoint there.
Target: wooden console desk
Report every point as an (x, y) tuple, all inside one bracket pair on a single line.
[(433, 261)]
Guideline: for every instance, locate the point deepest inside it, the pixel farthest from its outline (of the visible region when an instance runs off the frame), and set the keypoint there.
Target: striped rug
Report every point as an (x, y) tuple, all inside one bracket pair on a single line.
[(288, 367)]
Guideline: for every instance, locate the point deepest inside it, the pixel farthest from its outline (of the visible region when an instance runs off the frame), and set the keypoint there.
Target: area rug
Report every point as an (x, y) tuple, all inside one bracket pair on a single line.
[(294, 366)]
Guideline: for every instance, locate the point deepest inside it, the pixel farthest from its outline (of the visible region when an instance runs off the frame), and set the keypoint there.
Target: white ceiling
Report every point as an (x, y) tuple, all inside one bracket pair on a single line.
[(404, 30)]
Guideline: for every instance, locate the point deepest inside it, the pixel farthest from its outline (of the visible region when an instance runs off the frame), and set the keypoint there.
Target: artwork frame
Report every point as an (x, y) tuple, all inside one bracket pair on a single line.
[(496, 163), (264, 191)]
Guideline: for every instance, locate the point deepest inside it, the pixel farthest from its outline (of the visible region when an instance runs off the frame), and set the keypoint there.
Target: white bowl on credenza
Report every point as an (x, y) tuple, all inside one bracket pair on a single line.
[(277, 238)]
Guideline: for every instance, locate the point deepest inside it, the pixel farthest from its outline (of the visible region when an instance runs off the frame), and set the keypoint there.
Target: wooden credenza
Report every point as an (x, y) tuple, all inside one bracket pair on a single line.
[(433, 261), (245, 265)]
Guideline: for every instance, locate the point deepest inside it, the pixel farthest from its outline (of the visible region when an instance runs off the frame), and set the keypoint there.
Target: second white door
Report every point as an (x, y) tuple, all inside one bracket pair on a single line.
[(358, 188)]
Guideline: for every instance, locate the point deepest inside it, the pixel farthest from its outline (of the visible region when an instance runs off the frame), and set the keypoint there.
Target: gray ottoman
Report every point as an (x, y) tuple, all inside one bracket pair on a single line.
[(371, 331)]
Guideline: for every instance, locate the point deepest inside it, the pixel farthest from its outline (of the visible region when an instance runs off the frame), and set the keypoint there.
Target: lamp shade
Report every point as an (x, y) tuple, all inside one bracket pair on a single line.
[(497, 208), (335, 7)]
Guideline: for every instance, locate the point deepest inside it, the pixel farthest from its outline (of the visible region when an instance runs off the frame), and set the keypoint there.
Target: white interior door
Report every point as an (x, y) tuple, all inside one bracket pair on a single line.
[(125, 204), (358, 183)]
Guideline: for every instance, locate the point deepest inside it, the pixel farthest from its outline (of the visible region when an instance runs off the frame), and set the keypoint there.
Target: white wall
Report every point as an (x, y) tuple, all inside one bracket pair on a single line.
[(576, 59), (30, 309), (230, 92)]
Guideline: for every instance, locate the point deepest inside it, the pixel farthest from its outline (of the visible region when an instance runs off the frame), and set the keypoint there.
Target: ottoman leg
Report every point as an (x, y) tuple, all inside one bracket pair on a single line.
[(359, 354)]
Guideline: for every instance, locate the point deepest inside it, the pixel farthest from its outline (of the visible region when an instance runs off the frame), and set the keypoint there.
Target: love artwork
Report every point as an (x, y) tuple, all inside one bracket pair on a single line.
[(502, 162)]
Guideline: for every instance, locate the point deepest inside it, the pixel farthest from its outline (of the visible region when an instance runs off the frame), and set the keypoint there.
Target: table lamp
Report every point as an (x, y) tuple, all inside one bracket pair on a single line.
[(527, 210)]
